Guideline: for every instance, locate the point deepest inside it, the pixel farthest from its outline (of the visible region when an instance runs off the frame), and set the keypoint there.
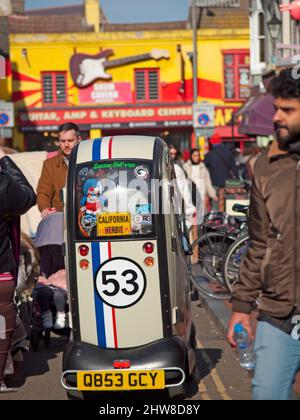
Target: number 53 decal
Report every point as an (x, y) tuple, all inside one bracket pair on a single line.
[(120, 282)]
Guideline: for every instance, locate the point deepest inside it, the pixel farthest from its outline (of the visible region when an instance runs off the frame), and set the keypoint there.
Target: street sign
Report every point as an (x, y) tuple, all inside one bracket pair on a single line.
[(6, 133), (216, 3), (204, 115), (204, 132), (7, 115)]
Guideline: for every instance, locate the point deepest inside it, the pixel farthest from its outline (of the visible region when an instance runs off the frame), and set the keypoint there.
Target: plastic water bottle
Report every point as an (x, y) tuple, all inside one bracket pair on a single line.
[(244, 347)]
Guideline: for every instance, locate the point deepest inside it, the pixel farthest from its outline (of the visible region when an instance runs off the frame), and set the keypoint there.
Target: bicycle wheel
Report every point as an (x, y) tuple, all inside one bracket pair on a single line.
[(232, 261), (206, 264)]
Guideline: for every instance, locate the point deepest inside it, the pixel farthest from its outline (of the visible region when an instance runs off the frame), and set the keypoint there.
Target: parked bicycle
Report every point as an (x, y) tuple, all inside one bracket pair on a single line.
[(236, 252), (218, 252)]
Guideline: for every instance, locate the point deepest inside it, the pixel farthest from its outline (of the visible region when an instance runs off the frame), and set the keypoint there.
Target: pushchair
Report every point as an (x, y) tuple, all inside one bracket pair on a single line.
[(38, 332), (27, 296), (48, 241)]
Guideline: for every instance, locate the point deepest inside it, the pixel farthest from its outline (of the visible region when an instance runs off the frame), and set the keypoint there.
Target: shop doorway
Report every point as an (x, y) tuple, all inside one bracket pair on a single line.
[(44, 141), (179, 137)]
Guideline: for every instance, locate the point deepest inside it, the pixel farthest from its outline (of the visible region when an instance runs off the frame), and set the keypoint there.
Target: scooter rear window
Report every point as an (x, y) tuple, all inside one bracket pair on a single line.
[(113, 199)]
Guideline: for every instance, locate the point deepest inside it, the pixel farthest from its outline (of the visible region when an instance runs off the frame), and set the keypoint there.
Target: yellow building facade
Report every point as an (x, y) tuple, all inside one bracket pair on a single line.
[(125, 82)]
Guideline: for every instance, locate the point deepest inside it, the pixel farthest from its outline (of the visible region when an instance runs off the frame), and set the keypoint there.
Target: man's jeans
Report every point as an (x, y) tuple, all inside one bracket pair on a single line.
[(278, 361)]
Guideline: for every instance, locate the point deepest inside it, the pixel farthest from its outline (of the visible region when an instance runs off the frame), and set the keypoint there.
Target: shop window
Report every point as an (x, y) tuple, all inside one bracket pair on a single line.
[(54, 88), (236, 75), (147, 85), (262, 37)]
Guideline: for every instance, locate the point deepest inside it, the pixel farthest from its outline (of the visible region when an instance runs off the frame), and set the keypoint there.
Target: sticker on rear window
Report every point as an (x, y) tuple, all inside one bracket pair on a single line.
[(144, 209), (141, 172)]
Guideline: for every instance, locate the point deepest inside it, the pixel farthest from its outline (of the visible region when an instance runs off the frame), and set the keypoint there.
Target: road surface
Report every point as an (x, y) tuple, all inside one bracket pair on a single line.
[(221, 376)]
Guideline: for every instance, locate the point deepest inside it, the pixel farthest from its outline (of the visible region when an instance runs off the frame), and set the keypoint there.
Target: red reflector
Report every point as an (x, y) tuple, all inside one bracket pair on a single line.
[(149, 261), (148, 247), (122, 364), (83, 250)]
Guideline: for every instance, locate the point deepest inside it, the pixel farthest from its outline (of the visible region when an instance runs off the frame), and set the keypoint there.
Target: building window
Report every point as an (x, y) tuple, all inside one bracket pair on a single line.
[(54, 88), (147, 85), (262, 37), (236, 75)]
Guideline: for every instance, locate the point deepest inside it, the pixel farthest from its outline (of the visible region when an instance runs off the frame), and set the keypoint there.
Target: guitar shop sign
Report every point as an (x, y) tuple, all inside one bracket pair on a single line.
[(102, 93), (115, 118), (135, 117)]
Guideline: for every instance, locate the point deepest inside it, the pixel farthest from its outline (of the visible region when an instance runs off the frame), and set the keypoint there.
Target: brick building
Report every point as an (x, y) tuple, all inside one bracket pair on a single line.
[(152, 95)]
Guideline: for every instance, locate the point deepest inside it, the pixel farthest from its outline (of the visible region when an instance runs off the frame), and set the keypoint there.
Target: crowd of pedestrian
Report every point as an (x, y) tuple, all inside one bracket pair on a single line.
[(270, 272)]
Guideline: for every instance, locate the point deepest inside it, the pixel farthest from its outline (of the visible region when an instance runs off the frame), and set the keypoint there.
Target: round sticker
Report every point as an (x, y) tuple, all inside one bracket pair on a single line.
[(120, 282), (88, 222), (138, 218), (141, 172), (84, 172)]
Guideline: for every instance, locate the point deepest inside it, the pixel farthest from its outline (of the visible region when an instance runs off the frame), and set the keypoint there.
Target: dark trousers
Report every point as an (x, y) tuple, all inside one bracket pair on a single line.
[(7, 322), (47, 295), (52, 259)]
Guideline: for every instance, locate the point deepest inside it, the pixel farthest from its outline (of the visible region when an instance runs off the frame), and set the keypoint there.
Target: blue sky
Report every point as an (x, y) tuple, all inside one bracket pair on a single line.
[(126, 11)]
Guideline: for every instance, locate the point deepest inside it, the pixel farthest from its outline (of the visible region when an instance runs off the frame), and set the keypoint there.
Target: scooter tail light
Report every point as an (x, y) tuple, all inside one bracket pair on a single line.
[(149, 261), (148, 247), (84, 264), (121, 364), (83, 250)]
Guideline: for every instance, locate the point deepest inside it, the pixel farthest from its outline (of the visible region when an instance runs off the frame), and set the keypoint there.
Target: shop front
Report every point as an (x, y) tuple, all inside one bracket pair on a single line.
[(171, 122)]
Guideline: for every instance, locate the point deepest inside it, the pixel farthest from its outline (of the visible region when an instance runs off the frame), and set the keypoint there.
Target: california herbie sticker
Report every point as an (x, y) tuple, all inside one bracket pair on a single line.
[(120, 282)]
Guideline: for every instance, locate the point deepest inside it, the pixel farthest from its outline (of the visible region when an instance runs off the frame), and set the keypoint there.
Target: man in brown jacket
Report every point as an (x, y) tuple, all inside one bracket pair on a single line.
[(54, 173), (270, 272)]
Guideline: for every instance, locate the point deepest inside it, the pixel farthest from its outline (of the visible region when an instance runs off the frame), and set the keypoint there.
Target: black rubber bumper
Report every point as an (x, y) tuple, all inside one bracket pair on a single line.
[(167, 353)]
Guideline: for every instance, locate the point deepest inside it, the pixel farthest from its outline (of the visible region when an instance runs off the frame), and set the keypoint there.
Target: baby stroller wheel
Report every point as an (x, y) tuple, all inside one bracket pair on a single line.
[(47, 337)]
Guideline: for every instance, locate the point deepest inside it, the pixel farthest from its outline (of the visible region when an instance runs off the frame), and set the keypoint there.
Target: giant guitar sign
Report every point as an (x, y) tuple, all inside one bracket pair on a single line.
[(86, 69)]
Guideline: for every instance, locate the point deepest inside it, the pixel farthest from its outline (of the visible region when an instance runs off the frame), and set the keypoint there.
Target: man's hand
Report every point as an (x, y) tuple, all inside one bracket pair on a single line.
[(239, 318), (47, 212), (2, 153)]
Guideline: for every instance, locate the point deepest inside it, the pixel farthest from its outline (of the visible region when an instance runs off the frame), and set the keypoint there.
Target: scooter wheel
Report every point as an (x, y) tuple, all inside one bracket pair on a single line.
[(72, 398)]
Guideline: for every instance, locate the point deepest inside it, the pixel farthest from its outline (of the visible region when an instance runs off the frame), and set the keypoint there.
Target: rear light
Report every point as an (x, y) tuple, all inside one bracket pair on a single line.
[(84, 264), (83, 250), (149, 261), (121, 364), (148, 247)]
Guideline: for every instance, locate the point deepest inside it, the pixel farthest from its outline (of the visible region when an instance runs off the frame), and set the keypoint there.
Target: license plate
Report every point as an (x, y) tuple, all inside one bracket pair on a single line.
[(121, 380), (114, 224)]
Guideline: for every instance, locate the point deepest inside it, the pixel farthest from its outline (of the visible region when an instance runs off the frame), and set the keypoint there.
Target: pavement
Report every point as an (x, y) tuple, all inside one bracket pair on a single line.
[(221, 377), (38, 377)]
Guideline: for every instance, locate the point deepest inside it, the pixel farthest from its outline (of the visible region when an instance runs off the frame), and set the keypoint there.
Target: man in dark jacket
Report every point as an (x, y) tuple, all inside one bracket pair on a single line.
[(16, 198), (270, 272), (221, 164)]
